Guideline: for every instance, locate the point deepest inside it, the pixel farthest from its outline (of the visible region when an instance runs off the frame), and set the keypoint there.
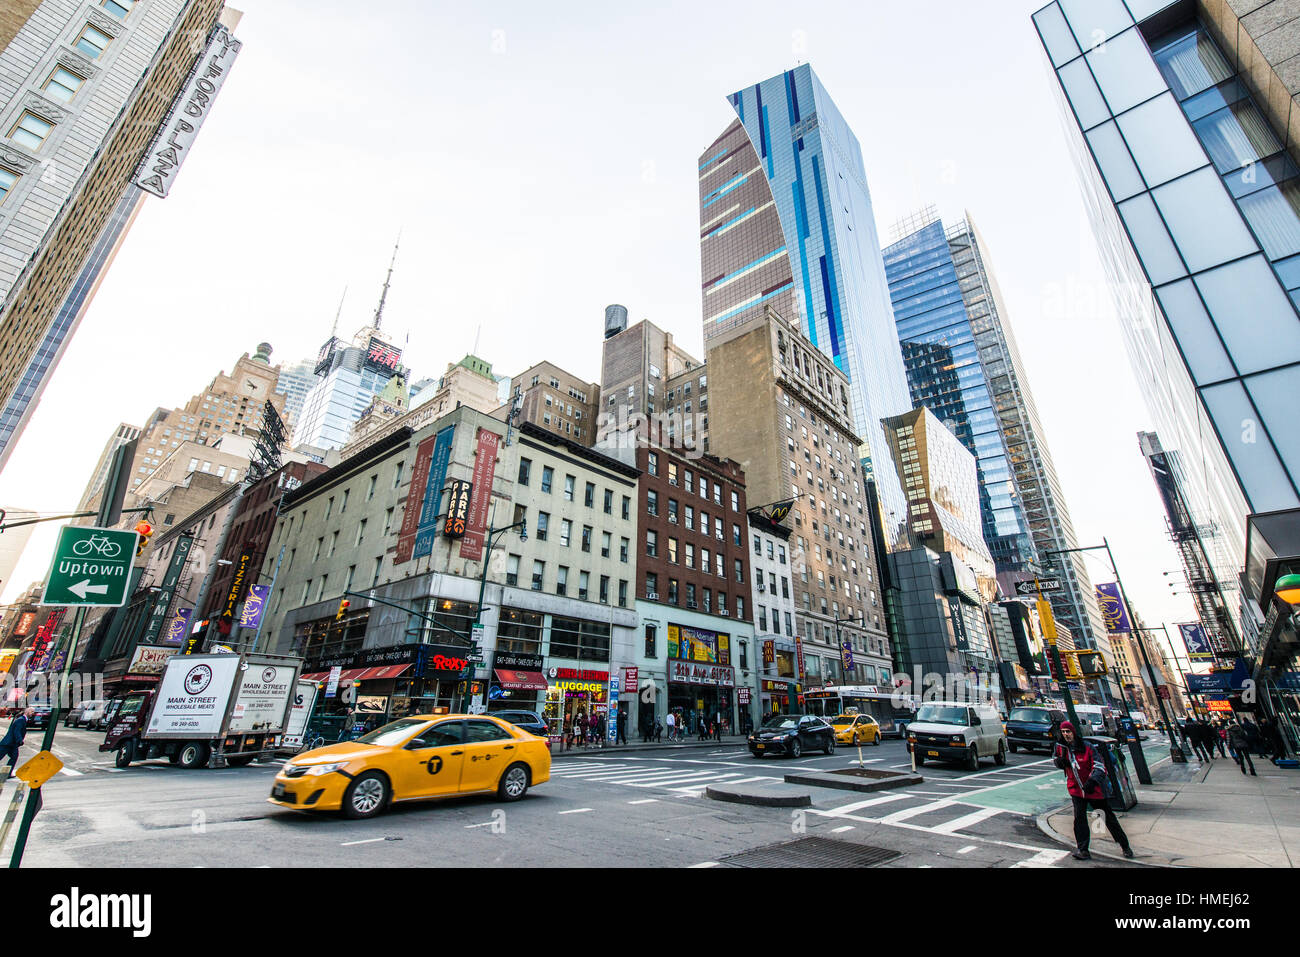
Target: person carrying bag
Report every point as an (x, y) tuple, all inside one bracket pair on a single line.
[(1088, 783)]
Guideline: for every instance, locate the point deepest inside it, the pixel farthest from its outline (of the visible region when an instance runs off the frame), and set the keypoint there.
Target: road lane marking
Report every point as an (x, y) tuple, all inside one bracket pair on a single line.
[(847, 809), (484, 824), (917, 811), (369, 840), (1046, 858), (967, 820), (704, 864), (967, 849), (577, 810), (645, 801), (75, 774), (842, 829)]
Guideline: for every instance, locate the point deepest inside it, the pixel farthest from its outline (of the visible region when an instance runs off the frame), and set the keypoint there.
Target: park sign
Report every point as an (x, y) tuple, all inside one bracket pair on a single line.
[(92, 567)]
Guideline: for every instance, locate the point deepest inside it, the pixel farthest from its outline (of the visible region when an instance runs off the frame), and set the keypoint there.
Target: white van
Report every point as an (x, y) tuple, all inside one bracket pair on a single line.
[(957, 730), (1093, 717)]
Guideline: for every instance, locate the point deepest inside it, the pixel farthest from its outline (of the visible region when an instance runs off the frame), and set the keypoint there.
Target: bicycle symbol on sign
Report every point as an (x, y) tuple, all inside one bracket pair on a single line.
[(101, 545)]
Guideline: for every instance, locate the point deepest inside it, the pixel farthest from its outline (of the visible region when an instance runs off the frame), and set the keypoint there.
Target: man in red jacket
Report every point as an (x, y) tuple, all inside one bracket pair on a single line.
[(1084, 773)]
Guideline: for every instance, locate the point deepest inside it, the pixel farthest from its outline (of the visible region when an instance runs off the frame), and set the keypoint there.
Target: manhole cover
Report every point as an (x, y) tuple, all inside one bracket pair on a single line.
[(813, 852)]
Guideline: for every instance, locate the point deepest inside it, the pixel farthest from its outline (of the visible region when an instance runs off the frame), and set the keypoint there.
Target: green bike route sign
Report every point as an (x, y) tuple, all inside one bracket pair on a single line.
[(91, 567)]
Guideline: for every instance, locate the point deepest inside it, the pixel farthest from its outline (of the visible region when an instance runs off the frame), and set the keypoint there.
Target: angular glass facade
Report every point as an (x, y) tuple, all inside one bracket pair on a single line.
[(786, 220), (1195, 205), (945, 374)]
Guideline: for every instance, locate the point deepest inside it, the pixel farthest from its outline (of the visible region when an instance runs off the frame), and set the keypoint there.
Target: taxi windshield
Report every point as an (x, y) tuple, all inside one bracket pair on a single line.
[(843, 719), (392, 734)]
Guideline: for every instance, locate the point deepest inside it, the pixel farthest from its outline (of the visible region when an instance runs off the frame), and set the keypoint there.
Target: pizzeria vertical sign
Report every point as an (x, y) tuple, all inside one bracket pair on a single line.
[(485, 465)]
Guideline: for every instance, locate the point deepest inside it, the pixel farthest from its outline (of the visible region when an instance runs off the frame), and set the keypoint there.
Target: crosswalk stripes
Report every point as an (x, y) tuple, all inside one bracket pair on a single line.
[(687, 781), (1045, 858)]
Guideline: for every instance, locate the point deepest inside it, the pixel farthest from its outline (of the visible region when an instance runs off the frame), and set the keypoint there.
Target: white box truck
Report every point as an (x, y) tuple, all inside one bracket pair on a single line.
[(207, 709)]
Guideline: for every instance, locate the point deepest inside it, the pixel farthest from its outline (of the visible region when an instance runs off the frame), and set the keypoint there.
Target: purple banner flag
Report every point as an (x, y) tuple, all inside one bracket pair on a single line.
[(178, 628), (1112, 609), (254, 602)]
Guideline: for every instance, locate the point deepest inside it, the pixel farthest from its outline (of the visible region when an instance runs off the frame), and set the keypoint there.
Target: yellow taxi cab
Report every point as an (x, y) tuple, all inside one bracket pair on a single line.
[(417, 758), (855, 729)]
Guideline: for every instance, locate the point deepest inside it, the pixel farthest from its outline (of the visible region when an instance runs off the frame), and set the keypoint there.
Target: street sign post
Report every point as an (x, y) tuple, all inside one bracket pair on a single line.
[(1030, 588), (91, 567)]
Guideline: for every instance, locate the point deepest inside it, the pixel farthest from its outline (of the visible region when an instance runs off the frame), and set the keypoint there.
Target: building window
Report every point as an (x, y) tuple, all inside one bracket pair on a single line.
[(370, 492), (118, 8), (589, 499), (627, 508), (63, 84), (512, 570), (653, 467), (652, 586), (397, 479), (622, 593), (605, 540), (624, 546), (548, 474), (539, 570), (652, 543), (582, 585), (740, 571), (672, 473), (735, 535), (690, 594), (562, 580), (31, 131), (690, 517), (650, 634), (586, 538), (722, 603), (566, 530), (543, 521), (92, 41), (690, 555), (651, 502), (672, 551), (604, 589), (672, 510), (569, 481), (609, 502), (708, 601), (525, 468)]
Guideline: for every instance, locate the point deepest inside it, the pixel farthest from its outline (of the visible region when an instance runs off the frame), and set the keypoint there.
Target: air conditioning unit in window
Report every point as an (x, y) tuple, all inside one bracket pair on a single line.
[(691, 604), (652, 596), (724, 613)]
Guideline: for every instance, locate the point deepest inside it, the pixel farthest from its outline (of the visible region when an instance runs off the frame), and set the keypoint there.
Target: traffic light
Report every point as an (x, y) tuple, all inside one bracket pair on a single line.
[(144, 530), (1091, 664), (344, 605)]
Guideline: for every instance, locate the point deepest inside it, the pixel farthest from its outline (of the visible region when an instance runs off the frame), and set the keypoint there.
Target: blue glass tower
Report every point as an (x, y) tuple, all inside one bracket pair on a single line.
[(786, 222), (945, 374)]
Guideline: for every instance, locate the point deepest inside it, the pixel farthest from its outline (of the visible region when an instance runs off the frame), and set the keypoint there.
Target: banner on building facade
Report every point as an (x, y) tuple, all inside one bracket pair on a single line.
[(697, 644), (427, 529), (485, 466), (236, 593), (414, 501), (1112, 609), (1197, 644), (190, 109), (254, 603), (458, 498), (163, 600), (178, 628)]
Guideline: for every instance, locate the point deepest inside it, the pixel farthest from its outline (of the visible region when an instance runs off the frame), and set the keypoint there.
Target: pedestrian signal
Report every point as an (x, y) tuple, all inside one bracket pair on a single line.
[(1091, 664), (144, 530)]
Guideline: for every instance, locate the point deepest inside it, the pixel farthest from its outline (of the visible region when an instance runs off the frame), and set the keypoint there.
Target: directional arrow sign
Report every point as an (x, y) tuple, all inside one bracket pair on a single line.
[(92, 566), (1028, 587)]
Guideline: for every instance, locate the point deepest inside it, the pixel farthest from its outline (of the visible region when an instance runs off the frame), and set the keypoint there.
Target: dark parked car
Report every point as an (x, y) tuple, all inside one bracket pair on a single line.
[(1033, 729), (792, 734), (41, 719), (530, 721)]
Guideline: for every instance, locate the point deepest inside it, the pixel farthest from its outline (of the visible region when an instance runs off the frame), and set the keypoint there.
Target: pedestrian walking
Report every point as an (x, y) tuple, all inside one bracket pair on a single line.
[(1240, 744), (621, 736), (659, 731), (596, 726), (14, 738), (1220, 736), (1201, 738), (717, 726), (672, 724), (1085, 773)]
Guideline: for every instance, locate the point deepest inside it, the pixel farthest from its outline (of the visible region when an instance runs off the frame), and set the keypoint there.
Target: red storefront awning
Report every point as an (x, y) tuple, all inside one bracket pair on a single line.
[(520, 680), (314, 676), (382, 671)]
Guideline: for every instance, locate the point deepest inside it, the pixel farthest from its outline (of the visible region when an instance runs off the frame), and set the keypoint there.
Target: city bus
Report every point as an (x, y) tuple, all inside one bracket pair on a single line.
[(863, 699)]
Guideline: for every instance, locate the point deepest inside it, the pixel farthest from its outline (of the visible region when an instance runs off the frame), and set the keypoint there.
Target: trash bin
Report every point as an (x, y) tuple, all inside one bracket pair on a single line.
[(1122, 796)]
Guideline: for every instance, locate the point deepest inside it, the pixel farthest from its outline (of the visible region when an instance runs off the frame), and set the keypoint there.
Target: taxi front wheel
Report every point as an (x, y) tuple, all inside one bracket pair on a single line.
[(366, 796), (514, 783)]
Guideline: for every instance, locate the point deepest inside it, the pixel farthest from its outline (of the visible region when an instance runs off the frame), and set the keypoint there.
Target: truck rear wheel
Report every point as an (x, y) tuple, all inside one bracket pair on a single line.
[(193, 754)]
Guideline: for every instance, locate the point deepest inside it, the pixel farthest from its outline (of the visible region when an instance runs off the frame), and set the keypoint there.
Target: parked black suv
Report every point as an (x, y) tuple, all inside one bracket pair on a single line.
[(1033, 728)]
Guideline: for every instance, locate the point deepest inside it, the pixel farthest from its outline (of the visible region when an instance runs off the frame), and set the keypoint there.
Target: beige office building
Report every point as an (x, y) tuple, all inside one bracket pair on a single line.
[(555, 400)]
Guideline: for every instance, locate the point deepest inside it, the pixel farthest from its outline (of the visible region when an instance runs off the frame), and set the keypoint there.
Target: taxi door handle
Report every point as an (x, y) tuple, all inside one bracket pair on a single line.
[(457, 752), (508, 747)]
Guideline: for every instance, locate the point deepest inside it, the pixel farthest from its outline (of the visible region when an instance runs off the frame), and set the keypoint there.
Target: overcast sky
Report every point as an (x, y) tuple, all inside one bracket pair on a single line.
[(540, 161)]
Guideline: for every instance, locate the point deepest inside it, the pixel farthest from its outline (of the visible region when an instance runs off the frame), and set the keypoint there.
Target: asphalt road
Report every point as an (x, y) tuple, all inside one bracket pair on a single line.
[(615, 810)]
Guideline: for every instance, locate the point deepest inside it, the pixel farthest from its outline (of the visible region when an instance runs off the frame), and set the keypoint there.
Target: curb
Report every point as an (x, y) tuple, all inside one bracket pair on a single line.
[(822, 779), (1048, 832), (637, 749), (759, 800)]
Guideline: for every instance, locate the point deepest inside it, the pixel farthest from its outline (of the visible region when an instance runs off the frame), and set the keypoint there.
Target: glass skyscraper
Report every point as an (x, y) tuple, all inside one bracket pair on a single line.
[(786, 222), (962, 364), (1180, 142)]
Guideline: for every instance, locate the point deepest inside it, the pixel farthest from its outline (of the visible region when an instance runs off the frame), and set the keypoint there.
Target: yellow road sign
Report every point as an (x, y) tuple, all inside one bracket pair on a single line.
[(39, 769)]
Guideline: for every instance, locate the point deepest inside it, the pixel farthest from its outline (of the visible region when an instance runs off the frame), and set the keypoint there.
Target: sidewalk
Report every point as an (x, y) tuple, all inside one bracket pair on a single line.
[(728, 741), (1204, 815)]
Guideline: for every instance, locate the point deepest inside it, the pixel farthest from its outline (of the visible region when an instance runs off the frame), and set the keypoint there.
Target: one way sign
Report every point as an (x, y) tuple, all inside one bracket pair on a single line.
[(1029, 588)]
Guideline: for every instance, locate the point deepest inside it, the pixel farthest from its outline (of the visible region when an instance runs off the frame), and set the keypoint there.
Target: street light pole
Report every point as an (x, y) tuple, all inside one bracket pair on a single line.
[(492, 535)]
